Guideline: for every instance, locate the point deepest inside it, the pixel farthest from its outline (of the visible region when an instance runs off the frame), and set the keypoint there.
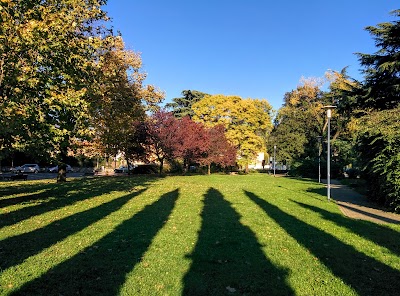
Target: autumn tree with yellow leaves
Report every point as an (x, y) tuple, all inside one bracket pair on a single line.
[(65, 79), (299, 121), (247, 122), (120, 99), (48, 53)]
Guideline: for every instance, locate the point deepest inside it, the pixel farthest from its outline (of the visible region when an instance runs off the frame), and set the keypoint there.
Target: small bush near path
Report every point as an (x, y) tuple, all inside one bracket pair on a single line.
[(189, 235)]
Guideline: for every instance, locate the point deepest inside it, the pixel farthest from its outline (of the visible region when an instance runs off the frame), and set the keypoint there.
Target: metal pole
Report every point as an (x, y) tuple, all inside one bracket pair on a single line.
[(319, 168), (329, 158), (329, 115), (274, 158), (319, 158)]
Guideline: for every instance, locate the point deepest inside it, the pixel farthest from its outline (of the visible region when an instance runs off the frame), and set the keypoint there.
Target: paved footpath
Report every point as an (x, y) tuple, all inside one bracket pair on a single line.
[(357, 206)]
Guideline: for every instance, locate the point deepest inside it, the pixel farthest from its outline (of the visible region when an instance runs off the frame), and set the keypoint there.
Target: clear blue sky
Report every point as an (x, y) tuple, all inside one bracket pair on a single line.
[(252, 48)]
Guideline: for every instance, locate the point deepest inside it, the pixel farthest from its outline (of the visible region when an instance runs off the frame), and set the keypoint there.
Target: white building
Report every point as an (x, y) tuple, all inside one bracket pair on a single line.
[(257, 164)]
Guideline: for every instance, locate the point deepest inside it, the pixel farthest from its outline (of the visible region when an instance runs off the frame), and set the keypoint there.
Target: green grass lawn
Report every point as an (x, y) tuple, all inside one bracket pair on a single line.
[(191, 235)]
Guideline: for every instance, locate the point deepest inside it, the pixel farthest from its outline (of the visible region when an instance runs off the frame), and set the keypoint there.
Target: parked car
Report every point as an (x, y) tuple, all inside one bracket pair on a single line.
[(27, 168), (55, 169), (123, 169)]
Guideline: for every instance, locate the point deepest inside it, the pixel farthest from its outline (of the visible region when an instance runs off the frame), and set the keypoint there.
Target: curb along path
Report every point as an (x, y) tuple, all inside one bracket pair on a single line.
[(356, 206)]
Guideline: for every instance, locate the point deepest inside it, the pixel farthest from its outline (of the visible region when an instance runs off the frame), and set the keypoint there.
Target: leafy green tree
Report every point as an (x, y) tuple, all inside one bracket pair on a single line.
[(247, 122), (381, 89), (379, 144), (299, 122), (64, 79), (48, 53), (368, 114), (342, 91), (374, 106), (182, 106)]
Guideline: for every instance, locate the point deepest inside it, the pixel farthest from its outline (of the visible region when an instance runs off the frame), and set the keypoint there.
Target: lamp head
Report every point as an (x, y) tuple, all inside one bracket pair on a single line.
[(329, 110)]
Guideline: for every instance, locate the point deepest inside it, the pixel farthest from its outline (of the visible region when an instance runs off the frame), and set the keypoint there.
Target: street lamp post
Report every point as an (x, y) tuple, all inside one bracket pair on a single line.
[(274, 158), (319, 158), (329, 115)]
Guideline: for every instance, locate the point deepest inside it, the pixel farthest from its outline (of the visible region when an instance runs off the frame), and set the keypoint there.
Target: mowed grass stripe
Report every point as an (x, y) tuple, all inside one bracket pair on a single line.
[(308, 208), (196, 235), (278, 246), (167, 260), (56, 216), (37, 265)]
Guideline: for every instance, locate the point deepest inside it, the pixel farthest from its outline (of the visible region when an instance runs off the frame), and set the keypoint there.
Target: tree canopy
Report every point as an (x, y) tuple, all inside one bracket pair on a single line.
[(48, 53), (182, 106), (172, 139), (299, 121), (247, 122), (65, 79), (381, 88), (375, 112), (120, 98), (161, 128), (366, 122)]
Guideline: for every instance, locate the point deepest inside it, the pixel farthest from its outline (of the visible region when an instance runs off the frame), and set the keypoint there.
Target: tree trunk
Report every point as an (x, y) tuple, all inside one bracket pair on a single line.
[(161, 165), (129, 167), (209, 169), (246, 168), (62, 167), (62, 173)]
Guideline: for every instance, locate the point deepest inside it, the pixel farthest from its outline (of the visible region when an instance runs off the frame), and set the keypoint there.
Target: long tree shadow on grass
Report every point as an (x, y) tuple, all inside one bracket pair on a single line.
[(101, 269), (359, 199), (228, 257), (15, 250), (40, 192), (15, 187), (57, 196), (353, 203), (364, 274), (35, 192), (29, 189), (379, 234), (304, 193)]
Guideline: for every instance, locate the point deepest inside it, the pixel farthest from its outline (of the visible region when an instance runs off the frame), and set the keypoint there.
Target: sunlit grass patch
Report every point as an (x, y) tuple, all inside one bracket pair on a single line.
[(191, 235)]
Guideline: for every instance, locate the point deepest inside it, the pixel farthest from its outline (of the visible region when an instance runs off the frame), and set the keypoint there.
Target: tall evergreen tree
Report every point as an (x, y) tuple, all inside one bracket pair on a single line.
[(182, 106), (375, 105), (381, 89)]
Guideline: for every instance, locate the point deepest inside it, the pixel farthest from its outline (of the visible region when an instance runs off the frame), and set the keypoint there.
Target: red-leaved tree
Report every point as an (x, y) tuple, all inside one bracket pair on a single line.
[(162, 137), (170, 138), (220, 151), (192, 142)]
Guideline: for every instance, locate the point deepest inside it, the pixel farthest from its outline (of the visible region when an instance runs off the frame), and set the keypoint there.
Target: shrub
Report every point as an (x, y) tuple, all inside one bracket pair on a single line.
[(379, 146), (146, 169), (353, 173), (308, 168)]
